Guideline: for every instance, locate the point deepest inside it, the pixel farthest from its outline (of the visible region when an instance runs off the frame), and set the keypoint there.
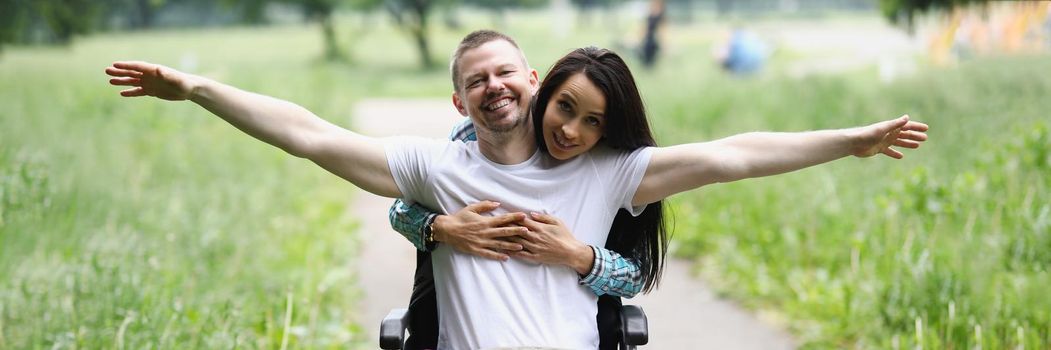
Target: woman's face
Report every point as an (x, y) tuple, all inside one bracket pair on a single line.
[(574, 120)]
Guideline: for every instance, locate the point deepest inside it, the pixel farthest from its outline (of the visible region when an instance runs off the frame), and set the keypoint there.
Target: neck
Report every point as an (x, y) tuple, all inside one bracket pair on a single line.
[(507, 148)]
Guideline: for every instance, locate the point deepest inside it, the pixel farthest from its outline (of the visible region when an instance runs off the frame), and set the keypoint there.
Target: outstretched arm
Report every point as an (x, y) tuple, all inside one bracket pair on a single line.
[(684, 167), (356, 158)]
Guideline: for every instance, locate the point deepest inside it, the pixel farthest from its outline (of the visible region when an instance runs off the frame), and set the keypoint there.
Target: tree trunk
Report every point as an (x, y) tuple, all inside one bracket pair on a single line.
[(145, 16), (328, 32), (419, 32)]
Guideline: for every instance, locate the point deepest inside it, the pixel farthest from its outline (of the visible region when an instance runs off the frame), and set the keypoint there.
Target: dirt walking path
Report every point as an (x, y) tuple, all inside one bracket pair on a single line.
[(683, 314)]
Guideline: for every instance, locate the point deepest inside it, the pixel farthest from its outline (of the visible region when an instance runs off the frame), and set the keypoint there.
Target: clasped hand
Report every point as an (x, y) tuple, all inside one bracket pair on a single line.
[(536, 237)]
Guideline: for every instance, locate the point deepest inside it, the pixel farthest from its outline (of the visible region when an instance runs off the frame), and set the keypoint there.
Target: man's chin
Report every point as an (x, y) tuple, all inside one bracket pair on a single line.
[(504, 124)]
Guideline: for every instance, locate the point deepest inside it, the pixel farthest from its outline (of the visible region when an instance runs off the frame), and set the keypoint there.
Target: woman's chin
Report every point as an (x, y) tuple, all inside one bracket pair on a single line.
[(561, 154)]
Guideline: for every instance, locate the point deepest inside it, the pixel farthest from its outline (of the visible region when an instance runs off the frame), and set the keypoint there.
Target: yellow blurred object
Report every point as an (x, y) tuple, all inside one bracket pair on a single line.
[(990, 28)]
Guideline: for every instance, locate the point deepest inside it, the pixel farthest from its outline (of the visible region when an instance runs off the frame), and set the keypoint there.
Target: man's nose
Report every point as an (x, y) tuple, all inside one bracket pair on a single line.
[(494, 84)]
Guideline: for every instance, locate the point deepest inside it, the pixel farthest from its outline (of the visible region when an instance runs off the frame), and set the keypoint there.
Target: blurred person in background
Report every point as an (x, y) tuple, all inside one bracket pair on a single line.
[(650, 44), (744, 53)]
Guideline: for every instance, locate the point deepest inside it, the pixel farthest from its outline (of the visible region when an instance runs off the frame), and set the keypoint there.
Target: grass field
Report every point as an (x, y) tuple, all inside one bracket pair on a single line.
[(140, 224)]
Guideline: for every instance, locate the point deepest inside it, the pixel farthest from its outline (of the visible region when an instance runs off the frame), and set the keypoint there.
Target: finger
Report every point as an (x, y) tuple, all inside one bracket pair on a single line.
[(503, 232), (489, 254), (906, 143), (126, 81), (531, 247), (890, 152), (482, 207), (506, 219), (507, 246), (912, 135), (117, 72), (890, 125), (911, 125), (545, 218), (135, 65), (527, 256), (133, 92), (532, 225)]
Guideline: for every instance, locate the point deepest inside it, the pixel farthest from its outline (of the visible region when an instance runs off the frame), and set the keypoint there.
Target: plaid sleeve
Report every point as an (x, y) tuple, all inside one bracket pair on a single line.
[(613, 274), (410, 220), (463, 131)]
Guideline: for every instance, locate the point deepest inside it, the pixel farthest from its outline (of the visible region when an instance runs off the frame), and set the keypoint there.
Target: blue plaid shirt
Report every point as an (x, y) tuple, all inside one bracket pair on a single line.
[(610, 273)]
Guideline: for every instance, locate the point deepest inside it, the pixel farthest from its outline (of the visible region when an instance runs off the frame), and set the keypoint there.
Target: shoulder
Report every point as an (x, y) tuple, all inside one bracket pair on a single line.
[(603, 153)]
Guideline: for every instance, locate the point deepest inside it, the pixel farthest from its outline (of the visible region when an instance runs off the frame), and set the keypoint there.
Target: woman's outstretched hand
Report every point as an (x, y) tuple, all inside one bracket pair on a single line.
[(148, 79), (879, 137)]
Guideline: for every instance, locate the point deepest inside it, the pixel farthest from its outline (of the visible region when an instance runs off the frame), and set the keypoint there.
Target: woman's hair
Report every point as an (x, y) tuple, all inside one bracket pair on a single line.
[(642, 239)]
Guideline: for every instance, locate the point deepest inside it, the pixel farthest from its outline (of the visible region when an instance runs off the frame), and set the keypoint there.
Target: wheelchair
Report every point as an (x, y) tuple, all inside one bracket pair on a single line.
[(634, 329)]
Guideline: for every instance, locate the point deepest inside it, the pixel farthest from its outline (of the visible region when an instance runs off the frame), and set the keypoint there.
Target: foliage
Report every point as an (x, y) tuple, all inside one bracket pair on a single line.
[(904, 11), (505, 4), (945, 249), (134, 224), (172, 224)]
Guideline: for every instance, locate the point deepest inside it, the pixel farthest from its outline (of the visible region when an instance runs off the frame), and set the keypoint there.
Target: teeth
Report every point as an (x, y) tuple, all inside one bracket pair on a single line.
[(498, 104), (562, 142)]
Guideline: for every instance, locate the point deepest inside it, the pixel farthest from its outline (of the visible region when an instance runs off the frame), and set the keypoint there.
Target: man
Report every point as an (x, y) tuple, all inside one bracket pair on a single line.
[(611, 275)]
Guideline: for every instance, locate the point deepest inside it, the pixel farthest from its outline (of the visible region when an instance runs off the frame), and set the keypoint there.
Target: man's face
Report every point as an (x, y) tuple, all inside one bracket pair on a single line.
[(495, 87)]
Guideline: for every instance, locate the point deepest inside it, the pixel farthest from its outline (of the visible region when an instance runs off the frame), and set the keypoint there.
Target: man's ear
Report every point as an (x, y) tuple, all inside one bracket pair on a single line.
[(458, 103), (534, 79)]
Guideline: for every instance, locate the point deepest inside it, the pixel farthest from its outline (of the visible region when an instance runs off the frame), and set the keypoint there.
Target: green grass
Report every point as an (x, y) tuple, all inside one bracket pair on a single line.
[(141, 224), (948, 248)]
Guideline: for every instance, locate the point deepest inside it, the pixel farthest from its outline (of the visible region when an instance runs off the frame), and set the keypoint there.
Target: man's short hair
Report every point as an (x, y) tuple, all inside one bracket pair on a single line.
[(474, 40)]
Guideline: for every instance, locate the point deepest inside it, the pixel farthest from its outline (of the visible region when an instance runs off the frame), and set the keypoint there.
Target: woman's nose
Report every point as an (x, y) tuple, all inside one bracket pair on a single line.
[(569, 130)]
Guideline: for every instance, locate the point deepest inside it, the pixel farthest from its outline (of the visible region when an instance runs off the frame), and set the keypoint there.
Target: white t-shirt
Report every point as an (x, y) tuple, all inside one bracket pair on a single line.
[(486, 303)]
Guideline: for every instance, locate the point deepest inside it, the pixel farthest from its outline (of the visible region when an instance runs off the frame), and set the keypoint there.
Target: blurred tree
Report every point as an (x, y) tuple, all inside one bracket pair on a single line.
[(13, 18), (499, 7), (903, 12), (66, 18), (587, 8), (320, 11), (411, 15), (251, 11), (145, 11)]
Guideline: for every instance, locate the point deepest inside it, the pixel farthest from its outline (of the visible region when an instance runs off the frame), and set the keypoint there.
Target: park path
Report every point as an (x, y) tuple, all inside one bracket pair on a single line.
[(683, 313)]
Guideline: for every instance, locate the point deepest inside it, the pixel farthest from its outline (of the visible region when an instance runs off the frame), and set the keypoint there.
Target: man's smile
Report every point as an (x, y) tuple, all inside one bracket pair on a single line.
[(499, 103)]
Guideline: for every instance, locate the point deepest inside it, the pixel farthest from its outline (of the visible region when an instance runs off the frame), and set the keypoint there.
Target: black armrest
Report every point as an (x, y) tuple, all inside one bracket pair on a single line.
[(634, 328), (392, 329)]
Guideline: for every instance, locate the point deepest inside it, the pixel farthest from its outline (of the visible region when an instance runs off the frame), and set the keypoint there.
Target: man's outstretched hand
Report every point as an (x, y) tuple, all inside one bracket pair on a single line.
[(148, 79), (879, 137)]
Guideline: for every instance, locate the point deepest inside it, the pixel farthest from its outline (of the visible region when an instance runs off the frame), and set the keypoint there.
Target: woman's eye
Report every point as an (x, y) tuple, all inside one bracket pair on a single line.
[(593, 121), (564, 106)]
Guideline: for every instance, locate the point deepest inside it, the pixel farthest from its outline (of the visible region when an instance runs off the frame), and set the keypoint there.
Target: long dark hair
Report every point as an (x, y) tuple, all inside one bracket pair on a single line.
[(642, 239)]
